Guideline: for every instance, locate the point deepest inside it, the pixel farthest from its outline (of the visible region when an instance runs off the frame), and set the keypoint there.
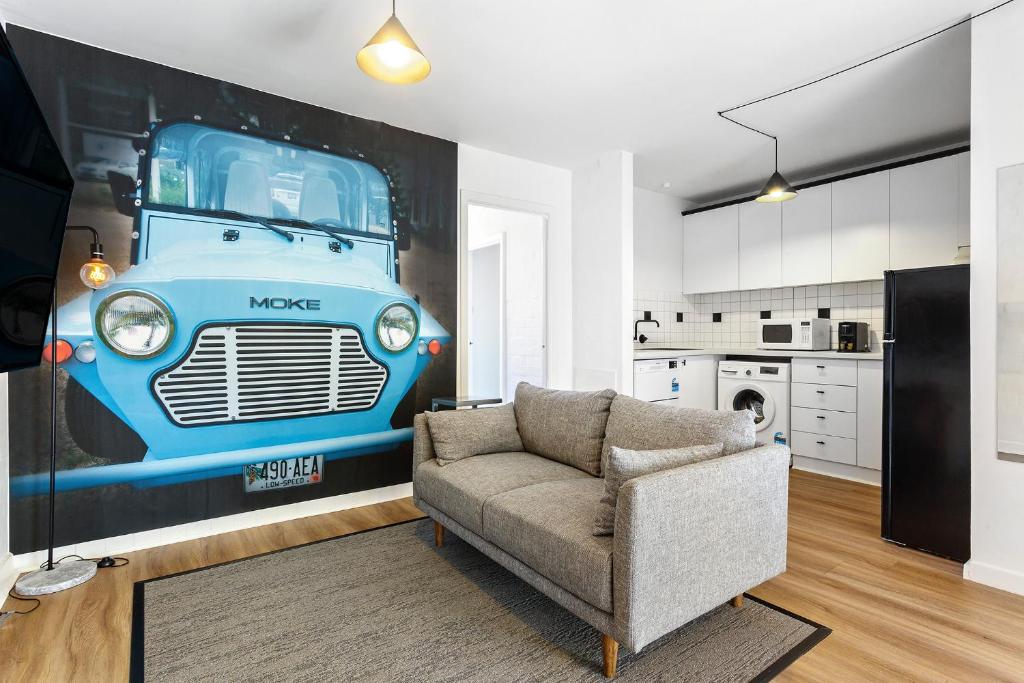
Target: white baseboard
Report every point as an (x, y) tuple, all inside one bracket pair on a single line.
[(838, 470), (211, 527), (997, 577), (8, 574)]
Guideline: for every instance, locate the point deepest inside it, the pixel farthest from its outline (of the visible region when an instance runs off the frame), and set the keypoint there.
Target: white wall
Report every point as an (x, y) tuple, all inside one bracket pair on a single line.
[(602, 273), (658, 240), (489, 178), (997, 140)]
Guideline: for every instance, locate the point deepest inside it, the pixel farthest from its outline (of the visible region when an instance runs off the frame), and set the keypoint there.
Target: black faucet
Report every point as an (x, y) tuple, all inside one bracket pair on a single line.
[(643, 337)]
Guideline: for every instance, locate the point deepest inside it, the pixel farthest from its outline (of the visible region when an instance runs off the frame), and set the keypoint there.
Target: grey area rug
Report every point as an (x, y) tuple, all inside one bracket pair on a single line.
[(386, 605)]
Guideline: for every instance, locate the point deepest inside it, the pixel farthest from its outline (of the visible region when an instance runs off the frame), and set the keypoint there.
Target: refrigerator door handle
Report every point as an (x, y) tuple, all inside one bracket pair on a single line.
[(888, 341)]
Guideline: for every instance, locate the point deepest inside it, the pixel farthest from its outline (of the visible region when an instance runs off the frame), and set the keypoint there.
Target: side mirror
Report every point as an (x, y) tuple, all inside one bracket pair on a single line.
[(123, 188), (404, 240)]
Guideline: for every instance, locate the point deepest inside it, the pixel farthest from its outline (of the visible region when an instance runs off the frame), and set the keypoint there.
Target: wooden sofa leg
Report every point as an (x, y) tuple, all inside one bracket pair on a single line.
[(438, 534), (610, 652), (736, 601)]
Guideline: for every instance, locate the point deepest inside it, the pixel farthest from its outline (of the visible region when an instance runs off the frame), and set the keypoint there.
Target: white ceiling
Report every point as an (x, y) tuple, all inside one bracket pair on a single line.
[(561, 81)]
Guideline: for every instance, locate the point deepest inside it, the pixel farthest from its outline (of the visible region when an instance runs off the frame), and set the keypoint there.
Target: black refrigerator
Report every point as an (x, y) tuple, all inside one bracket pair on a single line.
[(926, 429)]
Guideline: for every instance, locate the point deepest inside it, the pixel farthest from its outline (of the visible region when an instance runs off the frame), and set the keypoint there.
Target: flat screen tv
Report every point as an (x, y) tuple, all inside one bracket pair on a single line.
[(35, 192)]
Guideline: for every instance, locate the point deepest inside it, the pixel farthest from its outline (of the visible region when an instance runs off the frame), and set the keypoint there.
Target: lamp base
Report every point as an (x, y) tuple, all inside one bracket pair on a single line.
[(67, 574)]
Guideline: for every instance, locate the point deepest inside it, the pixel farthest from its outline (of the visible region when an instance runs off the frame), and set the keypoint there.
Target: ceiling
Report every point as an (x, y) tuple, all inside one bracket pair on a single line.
[(560, 82)]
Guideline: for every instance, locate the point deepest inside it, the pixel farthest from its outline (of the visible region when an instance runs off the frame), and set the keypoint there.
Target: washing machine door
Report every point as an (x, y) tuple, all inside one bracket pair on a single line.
[(755, 399)]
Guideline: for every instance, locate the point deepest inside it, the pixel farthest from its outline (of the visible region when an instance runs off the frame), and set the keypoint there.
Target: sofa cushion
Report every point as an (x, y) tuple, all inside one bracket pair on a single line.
[(461, 488), (642, 426), (624, 464), (548, 527), (459, 434), (567, 426)]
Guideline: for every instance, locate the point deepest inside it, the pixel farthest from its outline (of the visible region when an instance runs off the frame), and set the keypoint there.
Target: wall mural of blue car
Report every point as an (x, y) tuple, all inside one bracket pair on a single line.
[(262, 318), (285, 292)]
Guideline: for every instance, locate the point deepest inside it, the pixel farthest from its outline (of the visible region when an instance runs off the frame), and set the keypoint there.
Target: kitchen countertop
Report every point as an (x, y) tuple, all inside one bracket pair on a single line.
[(643, 353)]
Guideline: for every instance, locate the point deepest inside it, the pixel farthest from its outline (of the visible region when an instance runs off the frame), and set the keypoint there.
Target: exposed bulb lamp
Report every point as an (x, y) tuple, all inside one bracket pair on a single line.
[(392, 56), (58, 576)]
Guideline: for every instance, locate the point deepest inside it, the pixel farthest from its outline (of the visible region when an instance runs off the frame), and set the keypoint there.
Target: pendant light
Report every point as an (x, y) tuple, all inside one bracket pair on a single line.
[(777, 189), (392, 56)]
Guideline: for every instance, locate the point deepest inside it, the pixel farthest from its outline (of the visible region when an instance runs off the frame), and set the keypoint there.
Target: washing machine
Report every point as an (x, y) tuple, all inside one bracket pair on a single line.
[(759, 387)]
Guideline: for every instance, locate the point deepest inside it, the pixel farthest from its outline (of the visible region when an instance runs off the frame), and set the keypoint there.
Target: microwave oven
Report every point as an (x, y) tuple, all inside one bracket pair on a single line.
[(799, 334)]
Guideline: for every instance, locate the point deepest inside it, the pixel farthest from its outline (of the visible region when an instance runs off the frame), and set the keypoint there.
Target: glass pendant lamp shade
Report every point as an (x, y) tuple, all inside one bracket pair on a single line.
[(392, 56), (777, 189)]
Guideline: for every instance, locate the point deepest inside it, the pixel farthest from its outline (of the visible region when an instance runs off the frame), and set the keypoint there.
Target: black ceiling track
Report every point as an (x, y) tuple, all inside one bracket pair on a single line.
[(842, 176)]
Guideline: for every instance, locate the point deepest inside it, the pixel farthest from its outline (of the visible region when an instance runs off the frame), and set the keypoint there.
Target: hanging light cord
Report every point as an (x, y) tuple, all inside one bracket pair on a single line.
[(724, 112)]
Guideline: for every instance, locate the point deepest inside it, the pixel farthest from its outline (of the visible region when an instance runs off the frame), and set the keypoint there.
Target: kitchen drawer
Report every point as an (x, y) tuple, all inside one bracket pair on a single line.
[(831, 422), (832, 448), (825, 397), (825, 371)]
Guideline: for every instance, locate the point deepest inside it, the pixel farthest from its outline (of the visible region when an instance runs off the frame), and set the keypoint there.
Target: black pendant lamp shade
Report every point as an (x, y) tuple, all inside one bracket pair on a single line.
[(777, 189)]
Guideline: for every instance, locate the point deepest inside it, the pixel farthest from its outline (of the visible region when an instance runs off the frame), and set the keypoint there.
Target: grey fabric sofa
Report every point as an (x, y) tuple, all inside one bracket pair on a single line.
[(685, 541)]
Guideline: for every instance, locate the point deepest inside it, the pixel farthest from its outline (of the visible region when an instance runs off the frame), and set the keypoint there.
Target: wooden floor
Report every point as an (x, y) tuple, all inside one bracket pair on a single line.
[(895, 614)]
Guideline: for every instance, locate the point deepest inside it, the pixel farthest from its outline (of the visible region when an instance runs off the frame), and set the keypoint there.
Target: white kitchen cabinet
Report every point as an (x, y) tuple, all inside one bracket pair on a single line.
[(807, 237), (923, 214), (823, 396), (963, 209), (760, 264), (869, 414), (825, 447), (657, 241), (698, 382), (825, 371), (837, 411), (860, 227), (711, 250)]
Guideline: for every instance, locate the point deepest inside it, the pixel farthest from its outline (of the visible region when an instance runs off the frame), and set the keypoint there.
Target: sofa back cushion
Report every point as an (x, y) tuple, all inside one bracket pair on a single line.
[(642, 426), (566, 426), (459, 434), (624, 464)]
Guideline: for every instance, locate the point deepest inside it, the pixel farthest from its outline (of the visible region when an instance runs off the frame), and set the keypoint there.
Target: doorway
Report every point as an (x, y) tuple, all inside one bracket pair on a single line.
[(505, 300), (487, 318)]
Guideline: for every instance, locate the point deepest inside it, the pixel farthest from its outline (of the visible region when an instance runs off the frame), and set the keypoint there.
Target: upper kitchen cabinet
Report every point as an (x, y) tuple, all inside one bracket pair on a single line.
[(711, 250), (657, 241), (807, 237), (860, 227), (760, 257), (923, 214), (963, 210)]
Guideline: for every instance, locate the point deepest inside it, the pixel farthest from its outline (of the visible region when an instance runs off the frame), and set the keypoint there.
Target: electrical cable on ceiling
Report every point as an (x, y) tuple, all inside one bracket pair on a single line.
[(723, 112)]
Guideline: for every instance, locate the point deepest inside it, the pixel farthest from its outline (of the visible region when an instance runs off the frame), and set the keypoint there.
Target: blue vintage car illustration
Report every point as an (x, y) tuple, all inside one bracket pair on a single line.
[(262, 317)]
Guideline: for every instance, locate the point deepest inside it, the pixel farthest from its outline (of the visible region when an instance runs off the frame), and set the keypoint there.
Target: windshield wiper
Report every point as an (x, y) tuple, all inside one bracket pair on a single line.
[(299, 223), (238, 215)]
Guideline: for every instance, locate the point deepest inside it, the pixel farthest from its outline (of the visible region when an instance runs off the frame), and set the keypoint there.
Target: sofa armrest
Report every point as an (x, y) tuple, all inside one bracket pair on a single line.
[(688, 539), (422, 444)]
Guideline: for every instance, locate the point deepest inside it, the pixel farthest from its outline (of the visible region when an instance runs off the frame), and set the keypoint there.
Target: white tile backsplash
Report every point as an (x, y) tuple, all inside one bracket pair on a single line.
[(847, 301)]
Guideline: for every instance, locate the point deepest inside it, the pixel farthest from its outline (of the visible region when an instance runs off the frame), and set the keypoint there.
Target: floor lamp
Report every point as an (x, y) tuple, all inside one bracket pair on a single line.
[(57, 576)]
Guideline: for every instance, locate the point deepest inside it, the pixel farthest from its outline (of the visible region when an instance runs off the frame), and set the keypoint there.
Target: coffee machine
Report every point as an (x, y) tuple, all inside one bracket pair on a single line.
[(853, 337)]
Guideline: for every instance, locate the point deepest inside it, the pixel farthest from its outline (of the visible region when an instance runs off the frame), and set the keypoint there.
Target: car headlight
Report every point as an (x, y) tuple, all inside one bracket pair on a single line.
[(135, 324), (397, 327)]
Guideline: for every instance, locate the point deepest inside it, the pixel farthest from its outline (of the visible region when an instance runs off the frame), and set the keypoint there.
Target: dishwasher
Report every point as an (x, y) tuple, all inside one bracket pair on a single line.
[(689, 382), (657, 379)]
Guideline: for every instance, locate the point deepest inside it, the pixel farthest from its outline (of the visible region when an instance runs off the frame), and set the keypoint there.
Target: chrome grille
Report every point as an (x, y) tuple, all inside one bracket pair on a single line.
[(237, 373)]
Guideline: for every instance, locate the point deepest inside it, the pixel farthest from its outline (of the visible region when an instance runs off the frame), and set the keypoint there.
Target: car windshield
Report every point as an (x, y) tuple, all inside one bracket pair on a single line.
[(199, 167)]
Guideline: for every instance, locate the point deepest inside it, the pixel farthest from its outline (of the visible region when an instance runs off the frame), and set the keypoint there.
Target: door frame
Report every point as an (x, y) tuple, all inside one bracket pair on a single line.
[(469, 198), (498, 241)]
